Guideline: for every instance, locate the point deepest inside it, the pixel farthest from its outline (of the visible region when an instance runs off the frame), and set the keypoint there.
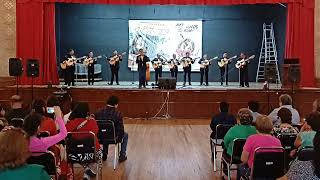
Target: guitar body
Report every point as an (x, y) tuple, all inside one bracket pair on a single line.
[(148, 72), (113, 60), (88, 61), (63, 65), (69, 62), (221, 63)]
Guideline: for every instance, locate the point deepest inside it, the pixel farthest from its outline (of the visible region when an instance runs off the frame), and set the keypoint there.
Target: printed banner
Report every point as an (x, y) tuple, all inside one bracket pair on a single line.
[(165, 37)]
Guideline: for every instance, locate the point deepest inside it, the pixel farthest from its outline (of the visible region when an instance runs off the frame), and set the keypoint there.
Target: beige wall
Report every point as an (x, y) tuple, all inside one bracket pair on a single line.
[(317, 39), (7, 34)]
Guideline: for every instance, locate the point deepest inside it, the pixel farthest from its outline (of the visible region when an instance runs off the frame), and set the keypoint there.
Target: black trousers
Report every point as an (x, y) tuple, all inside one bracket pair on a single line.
[(142, 77), (187, 72), (224, 76), (204, 72), (90, 75), (157, 74), (114, 73), (244, 77), (69, 76), (174, 72)]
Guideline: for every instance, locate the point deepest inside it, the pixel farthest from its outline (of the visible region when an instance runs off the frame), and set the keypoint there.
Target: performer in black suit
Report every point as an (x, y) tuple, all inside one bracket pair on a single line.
[(142, 60), (244, 77), (173, 63), (91, 63), (204, 69), (224, 69), (115, 58), (70, 70), (186, 62), (157, 64)]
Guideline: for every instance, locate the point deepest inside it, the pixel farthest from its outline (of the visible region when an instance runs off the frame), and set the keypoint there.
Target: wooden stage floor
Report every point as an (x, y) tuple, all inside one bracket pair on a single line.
[(164, 150), (195, 86), (191, 102)]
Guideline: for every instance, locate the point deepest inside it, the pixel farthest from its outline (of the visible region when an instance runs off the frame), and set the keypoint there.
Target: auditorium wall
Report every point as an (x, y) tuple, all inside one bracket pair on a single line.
[(104, 28), (7, 34)]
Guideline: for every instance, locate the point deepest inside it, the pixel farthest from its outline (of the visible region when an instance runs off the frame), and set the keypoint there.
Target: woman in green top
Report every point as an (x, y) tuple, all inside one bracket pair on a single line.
[(243, 130), (307, 133), (14, 150)]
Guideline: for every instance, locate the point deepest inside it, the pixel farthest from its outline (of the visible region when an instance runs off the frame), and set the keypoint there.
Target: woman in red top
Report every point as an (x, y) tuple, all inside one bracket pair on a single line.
[(80, 121)]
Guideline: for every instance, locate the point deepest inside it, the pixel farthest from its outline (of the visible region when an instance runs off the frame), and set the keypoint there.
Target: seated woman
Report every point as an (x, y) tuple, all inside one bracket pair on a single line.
[(32, 125), (243, 130), (14, 154), (307, 133), (307, 169), (80, 121), (47, 123), (262, 139), (285, 128)]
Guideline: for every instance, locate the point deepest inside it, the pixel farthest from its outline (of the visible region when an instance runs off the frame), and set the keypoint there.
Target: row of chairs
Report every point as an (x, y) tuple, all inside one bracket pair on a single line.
[(80, 149), (274, 158)]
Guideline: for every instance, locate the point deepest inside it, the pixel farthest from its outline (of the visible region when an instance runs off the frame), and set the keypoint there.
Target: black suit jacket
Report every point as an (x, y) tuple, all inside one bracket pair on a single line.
[(142, 64)]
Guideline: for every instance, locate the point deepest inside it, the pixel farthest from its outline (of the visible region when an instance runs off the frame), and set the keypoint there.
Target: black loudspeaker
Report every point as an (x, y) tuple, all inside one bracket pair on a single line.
[(270, 72), (15, 67), (167, 83), (294, 73), (33, 68)]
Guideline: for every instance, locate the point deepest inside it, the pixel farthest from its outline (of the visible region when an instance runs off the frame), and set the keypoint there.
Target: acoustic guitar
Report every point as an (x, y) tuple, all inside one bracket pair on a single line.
[(242, 62), (173, 63), (224, 62), (114, 59), (89, 61), (187, 61), (70, 62), (206, 62)]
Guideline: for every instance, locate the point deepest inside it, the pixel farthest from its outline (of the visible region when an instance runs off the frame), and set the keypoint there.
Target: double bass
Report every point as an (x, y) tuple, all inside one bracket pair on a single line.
[(148, 72)]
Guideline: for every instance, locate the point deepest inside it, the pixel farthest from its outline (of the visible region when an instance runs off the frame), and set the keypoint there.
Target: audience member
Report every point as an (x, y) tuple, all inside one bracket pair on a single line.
[(32, 125), (223, 117), (316, 105), (111, 112), (66, 116), (285, 101), (263, 139), (243, 130), (14, 154), (307, 170), (285, 127), (80, 121), (17, 110), (3, 121), (308, 131), (47, 123), (254, 107)]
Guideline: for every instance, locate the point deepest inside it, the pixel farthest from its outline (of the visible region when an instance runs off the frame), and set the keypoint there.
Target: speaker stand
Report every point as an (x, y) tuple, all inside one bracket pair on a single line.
[(17, 84), (32, 79), (267, 90)]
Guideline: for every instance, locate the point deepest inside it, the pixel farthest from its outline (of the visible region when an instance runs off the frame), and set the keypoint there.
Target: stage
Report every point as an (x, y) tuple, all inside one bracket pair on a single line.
[(129, 85), (184, 102)]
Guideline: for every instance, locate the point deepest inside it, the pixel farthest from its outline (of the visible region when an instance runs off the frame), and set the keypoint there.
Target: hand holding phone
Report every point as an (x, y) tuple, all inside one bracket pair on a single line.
[(57, 111), (50, 110)]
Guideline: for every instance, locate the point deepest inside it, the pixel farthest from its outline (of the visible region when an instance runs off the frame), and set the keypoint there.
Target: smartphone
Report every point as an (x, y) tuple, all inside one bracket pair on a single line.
[(50, 110)]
